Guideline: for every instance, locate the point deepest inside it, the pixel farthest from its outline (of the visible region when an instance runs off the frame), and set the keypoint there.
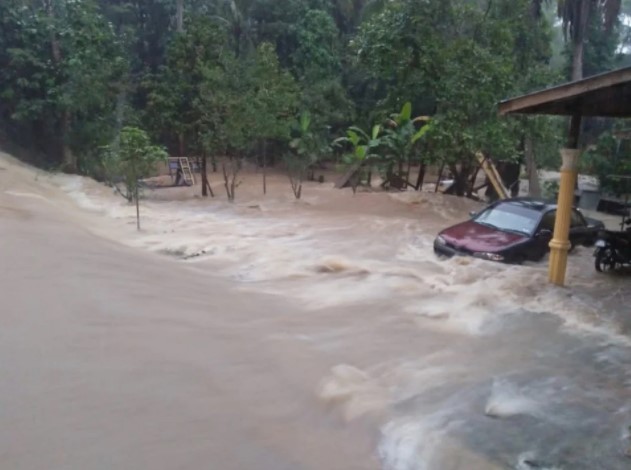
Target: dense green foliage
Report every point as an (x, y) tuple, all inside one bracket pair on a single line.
[(62, 66), (609, 159), (308, 147), (231, 80)]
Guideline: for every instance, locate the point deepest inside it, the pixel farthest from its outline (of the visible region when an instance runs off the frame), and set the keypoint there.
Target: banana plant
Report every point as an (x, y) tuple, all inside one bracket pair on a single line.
[(400, 137), (308, 146), (363, 145), (363, 152)]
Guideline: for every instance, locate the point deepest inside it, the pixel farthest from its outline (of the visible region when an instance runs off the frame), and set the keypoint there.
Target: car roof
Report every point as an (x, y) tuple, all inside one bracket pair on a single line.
[(536, 204)]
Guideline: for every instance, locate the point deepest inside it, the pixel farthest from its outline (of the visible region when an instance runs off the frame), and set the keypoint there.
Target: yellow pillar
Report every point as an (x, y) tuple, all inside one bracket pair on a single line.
[(560, 244)]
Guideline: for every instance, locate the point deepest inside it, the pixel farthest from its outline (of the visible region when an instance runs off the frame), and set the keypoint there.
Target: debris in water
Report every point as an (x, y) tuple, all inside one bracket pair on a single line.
[(533, 464), (194, 255), (529, 461)]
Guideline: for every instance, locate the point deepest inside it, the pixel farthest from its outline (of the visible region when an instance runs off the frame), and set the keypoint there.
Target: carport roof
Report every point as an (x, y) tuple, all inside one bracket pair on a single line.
[(605, 95)]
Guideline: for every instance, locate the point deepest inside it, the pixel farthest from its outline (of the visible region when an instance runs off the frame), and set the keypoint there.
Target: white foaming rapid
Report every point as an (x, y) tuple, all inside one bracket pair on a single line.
[(333, 259), (354, 390), (507, 400), (424, 443)]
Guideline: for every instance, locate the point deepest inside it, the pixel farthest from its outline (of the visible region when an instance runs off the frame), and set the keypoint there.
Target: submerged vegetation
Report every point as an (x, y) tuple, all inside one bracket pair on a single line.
[(275, 82)]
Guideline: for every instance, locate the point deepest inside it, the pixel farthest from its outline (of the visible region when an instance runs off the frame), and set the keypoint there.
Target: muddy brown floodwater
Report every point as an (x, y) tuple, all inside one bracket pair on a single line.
[(275, 334)]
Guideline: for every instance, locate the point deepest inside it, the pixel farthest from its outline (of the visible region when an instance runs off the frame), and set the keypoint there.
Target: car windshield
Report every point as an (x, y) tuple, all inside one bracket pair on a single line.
[(510, 218)]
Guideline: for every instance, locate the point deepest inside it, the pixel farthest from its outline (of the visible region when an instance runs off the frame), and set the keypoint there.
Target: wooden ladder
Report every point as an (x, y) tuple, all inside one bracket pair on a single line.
[(493, 175), (187, 173)]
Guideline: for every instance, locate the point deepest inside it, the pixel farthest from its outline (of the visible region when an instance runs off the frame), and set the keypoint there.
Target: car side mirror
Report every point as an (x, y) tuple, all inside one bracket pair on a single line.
[(544, 233)]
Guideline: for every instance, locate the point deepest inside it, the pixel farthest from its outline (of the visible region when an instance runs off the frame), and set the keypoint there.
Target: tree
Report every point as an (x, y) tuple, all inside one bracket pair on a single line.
[(63, 67), (133, 158), (575, 15), (364, 152), (533, 52), (349, 14), (308, 147), (610, 157), (454, 61), (317, 65), (402, 134), (601, 51), (224, 78), (387, 146), (225, 110), (273, 96), (234, 15), (174, 100), (180, 15), (145, 28), (275, 21)]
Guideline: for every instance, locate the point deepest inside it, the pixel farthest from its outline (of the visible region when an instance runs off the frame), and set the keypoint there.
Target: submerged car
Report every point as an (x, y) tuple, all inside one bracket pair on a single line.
[(513, 231)]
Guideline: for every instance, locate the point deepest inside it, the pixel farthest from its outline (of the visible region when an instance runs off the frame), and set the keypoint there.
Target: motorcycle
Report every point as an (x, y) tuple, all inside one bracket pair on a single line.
[(613, 249)]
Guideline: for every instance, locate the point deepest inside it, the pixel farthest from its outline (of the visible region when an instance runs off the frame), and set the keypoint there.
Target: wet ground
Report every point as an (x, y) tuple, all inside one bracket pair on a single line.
[(274, 333)]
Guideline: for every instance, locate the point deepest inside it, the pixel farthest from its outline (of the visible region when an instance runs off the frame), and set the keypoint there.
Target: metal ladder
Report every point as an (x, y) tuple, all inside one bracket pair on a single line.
[(187, 173)]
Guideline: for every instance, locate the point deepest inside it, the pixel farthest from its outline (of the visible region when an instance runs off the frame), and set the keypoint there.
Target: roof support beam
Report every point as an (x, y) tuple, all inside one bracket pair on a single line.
[(575, 131)]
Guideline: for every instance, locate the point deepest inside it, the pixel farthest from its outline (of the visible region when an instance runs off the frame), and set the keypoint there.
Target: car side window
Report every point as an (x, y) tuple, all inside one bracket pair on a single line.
[(547, 221), (577, 219)]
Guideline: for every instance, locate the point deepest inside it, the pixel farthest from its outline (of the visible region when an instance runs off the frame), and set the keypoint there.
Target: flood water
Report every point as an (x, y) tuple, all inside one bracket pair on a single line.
[(275, 334)]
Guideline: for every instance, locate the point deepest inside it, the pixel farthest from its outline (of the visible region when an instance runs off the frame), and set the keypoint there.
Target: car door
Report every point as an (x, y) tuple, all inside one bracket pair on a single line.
[(543, 234)]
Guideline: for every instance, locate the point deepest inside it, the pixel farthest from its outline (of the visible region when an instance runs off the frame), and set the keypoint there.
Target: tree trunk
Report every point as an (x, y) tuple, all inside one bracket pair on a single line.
[(474, 177), (389, 175), (577, 61), (421, 176), (264, 168), (578, 45), (440, 175), (54, 42), (205, 184), (232, 187), (137, 209), (460, 181), (68, 158), (180, 16), (578, 40), (55, 48), (230, 178), (534, 187), (226, 181), (407, 173), (461, 178), (510, 177), (204, 177), (180, 139)]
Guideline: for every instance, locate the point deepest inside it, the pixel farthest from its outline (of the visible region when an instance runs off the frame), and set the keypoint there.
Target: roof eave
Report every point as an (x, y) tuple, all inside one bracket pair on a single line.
[(547, 101)]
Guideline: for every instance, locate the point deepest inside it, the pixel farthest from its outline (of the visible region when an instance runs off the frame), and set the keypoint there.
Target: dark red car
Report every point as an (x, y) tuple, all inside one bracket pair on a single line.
[(513, 231)]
